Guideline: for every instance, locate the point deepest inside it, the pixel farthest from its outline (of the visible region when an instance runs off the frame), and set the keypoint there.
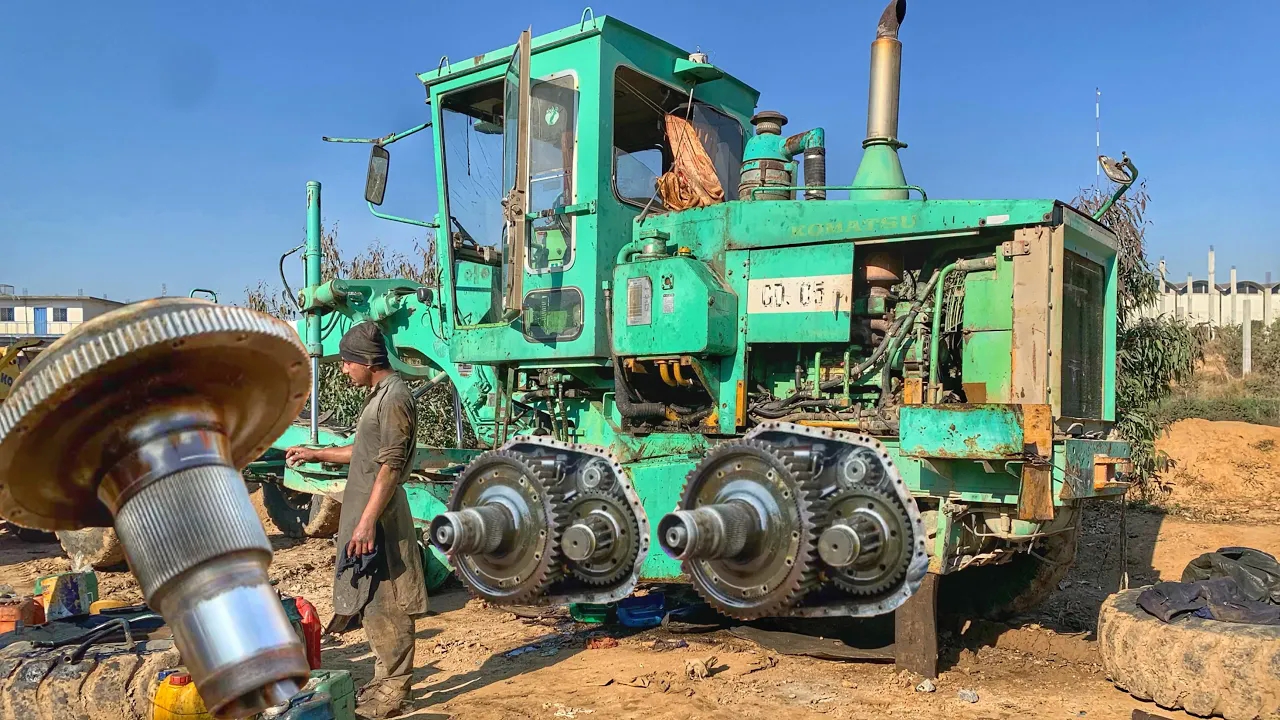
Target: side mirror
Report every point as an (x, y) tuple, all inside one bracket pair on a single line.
[(375, 183)]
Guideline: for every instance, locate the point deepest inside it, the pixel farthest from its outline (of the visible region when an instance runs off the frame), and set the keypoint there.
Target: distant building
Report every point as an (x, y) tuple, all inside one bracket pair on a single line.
[(47, 317), (1207, 302)]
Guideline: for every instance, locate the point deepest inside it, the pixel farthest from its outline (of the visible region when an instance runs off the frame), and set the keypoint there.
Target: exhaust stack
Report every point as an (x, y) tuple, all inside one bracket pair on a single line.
[(880, 166)]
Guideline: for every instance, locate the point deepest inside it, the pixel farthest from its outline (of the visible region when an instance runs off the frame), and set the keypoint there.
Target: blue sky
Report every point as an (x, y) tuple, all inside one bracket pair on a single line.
[(170, 143)]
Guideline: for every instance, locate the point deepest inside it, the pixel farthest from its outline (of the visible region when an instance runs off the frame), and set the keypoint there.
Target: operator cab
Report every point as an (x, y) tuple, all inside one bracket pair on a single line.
[(559, 141)]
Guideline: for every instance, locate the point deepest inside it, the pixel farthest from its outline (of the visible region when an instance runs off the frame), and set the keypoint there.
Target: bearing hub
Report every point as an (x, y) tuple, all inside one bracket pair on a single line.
[(745, 529), (503, 528)]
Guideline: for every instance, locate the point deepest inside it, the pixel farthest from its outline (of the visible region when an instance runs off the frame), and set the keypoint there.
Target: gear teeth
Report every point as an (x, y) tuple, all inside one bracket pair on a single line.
[(632, 524), (908, 541), (805, 575), (546, 476)]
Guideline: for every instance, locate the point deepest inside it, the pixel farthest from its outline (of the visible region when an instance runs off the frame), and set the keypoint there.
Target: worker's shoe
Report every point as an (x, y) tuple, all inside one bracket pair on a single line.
[(381, 701)]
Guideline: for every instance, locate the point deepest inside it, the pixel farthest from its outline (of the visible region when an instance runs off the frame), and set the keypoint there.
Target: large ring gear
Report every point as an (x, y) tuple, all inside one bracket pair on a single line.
[(746, 529), (766, 521), (544, 521), (503, 527)]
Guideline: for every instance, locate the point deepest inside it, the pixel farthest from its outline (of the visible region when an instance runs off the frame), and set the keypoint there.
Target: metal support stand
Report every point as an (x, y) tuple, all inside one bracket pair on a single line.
[(916, 630)]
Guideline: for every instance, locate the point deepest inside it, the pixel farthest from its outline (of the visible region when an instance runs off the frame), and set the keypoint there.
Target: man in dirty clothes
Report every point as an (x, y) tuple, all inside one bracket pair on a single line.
[(379, 570)]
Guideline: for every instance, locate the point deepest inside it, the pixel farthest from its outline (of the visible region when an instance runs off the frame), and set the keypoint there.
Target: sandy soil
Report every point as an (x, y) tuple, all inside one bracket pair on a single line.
[(1222, 470), (1044, 665)]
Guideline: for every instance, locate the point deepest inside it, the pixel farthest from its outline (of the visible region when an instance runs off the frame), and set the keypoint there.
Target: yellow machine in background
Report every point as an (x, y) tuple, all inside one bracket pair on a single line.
[(9, 364)]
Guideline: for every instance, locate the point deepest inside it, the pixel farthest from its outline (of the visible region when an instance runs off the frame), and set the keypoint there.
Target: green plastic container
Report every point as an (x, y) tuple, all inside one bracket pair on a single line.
[(589, 612), (338, 685), (435, 568)]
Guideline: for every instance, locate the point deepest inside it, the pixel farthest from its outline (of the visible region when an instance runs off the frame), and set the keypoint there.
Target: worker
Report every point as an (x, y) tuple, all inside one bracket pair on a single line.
[(378, 576)]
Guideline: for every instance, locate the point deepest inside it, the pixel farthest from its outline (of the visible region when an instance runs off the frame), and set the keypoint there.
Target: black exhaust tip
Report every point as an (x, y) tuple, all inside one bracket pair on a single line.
[(891, 19)]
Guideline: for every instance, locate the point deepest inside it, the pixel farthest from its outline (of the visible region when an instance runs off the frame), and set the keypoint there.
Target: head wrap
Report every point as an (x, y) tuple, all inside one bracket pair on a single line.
[(364, 344)]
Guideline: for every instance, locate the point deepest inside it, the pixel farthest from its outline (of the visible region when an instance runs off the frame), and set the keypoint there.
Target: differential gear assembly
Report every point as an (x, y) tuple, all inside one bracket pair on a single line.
[(800, 521), (746, 529), (503, 527), (544, 521)]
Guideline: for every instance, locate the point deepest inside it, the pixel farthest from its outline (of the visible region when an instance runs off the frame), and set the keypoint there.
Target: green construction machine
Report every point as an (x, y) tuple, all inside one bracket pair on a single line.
[(684, 361)]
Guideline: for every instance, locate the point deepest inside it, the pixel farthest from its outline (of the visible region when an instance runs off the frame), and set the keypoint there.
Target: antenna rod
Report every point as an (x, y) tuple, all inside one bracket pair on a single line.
[(1097, 137)]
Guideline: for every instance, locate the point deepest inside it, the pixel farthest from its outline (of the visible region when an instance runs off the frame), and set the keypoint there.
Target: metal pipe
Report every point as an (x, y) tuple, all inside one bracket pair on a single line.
[(457, 417), (681, 380), (313, 256), (384, 140), (665, 373), (886, 74), (797, 188)]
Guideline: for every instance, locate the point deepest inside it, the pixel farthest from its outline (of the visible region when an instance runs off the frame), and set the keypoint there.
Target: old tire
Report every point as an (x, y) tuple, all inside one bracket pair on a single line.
[(298, 514), (113, 681), (999, 592), (31, 536), (92, 548), (1202, 666)]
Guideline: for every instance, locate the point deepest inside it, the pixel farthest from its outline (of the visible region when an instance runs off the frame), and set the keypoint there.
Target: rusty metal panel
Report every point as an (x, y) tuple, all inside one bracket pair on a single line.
[(1035, 498), (979, 432), (913, 391), (1031, 326), (1095, 468), (1056, 249), (1037, 431)]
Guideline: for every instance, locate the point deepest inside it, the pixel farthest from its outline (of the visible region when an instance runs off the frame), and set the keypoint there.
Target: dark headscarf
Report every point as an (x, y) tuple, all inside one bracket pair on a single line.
[(364, 344)]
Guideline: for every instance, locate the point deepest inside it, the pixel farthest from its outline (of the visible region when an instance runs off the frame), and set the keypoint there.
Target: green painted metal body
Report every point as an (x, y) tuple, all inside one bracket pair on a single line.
[(753, 294)]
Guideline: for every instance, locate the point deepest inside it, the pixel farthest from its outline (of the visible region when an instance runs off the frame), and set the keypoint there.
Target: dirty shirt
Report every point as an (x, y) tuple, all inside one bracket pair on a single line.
[(385, 435)]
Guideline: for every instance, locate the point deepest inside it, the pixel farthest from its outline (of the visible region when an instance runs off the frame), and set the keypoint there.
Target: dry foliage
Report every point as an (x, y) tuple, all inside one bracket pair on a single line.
[(339, 400)]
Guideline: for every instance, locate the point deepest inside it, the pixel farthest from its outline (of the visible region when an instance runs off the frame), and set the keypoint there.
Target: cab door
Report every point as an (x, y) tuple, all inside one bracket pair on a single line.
[(515, 176)]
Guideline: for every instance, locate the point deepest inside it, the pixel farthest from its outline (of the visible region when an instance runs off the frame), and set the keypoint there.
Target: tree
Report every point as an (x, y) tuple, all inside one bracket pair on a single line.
[(1152, 354), (339, 400)]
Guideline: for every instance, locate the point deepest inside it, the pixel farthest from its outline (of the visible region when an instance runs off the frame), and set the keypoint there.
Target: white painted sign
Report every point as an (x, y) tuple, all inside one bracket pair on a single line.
[(810, 293)]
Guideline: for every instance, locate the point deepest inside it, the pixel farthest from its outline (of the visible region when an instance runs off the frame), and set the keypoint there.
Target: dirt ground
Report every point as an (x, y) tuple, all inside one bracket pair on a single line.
[(1222, 470), (486, 663)]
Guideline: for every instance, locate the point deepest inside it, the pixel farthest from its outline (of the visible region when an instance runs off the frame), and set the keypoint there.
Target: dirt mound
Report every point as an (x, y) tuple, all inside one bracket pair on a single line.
[(1222, 470)]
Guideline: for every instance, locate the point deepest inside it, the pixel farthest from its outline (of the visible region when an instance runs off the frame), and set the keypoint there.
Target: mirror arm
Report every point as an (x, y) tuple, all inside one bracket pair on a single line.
[(385, 140), (396, 218), (1126, 163)]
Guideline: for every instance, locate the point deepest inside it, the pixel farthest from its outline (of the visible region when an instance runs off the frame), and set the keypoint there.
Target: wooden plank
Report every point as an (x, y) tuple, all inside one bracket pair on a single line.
[(915, 637), (1035, 497)]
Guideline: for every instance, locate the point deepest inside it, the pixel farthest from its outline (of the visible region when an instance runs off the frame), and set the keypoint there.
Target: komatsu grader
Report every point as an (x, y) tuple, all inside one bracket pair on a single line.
[(686, 357)]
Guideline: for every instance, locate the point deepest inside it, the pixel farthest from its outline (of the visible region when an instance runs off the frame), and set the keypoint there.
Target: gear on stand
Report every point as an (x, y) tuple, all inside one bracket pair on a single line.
[(602, 539), (746, 528), (503, 529)]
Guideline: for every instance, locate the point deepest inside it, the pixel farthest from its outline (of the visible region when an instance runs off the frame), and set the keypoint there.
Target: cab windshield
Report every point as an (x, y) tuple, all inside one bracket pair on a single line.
[(478, 170)]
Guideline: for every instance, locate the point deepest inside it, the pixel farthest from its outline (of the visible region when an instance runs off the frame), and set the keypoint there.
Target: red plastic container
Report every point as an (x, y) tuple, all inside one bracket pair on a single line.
[(19, 613), (310, 630)]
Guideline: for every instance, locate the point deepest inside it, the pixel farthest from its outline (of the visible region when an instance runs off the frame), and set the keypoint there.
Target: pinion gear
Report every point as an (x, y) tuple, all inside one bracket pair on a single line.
[(879, 570), (604, 532)]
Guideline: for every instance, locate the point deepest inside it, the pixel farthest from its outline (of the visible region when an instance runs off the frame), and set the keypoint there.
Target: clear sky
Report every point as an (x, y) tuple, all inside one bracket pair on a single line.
[(150, 144)]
